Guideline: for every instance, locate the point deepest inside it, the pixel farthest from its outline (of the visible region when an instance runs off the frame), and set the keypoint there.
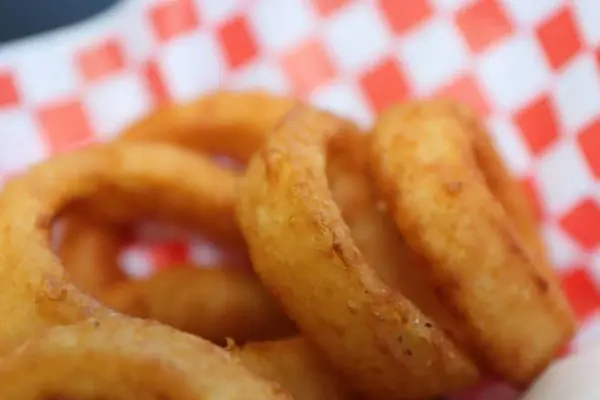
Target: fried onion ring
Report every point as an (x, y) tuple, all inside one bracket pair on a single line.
[(36, 292), (89, 251), (233, 124), (123, 358), (297, 367), (376, 336), (454, 202), (225, 123), (214, 303)]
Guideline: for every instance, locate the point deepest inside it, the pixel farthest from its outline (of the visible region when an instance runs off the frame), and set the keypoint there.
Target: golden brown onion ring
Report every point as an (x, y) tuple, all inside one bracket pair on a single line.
[(121, 358), (455, 203), (213, 303), (297, 366), (304, 253), (89, 251), (35, 290), (225, 123)]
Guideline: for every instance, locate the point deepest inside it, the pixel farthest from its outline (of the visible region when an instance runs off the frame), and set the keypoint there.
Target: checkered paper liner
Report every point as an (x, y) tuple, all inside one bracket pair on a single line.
[(531, 68)]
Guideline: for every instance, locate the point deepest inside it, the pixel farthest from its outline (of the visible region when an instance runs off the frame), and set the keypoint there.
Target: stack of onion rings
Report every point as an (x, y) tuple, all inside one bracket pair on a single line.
[(393, 345), (340, 231)]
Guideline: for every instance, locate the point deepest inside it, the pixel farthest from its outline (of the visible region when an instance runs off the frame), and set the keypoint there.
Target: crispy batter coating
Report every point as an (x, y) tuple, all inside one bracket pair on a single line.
[(304, 253), (121, 358), (213, 303), (228, 124), (455, 203), (233, 124), (35, 290), (297, 366), (89, 250)]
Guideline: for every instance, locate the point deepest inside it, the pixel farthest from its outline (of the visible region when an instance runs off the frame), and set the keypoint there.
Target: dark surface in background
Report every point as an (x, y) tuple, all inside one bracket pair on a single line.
[(20, 18)]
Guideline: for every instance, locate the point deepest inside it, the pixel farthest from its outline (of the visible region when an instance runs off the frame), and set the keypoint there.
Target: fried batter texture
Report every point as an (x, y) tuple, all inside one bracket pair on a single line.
[(420, 312), (122, 358), (214, 303), (220, 303), (36, 290), (227, 124), (375, 335), (401, 264), (297, 366), (436, 165)]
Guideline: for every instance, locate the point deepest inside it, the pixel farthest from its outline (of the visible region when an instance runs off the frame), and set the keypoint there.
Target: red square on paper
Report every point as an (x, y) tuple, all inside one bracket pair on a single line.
[(155, 83), (328, 7), (405, 15), (173, 17), (237, 41), (581, 292), (560, 37), (582, 223), (168, 254), (384, 85), (9, 95), (466, 90), (589, 141), (483, 23), (64, 125), (538, 124), (101, 60), (308, 66)]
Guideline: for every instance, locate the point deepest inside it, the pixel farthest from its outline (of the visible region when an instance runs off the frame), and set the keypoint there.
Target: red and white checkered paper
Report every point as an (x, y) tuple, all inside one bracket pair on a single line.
[(530, 67)]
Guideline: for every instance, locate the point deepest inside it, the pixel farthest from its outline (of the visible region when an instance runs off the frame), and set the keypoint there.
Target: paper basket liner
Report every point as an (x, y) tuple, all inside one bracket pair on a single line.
[(529, 67)]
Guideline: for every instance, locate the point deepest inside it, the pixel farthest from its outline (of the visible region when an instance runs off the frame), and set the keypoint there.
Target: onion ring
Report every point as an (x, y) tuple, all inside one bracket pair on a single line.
[(89, 252), (36, 291), (126, 359), (448, 190), (297, 367), (224, 123), (90, 248), (373, 334), (213, 303)]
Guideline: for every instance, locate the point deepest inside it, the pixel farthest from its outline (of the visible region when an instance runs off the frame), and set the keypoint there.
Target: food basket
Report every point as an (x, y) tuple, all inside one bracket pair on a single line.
[(530, 68)]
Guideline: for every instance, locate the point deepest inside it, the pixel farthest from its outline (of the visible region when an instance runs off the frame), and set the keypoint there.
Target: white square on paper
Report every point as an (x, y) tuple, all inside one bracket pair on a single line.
[(434, 54), (357, 37), (280, 24), (193, 65), (563, 177), (514, 72), (136, 262), (588, 15), (20, 140), (563, 252), (117, 102), (47, 74), (510, 145), (530, 12), (214, 11), (343, 99), (577, 93), (451, 5), (134, 27), (586, 338), (262, 75), (595, 265)]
